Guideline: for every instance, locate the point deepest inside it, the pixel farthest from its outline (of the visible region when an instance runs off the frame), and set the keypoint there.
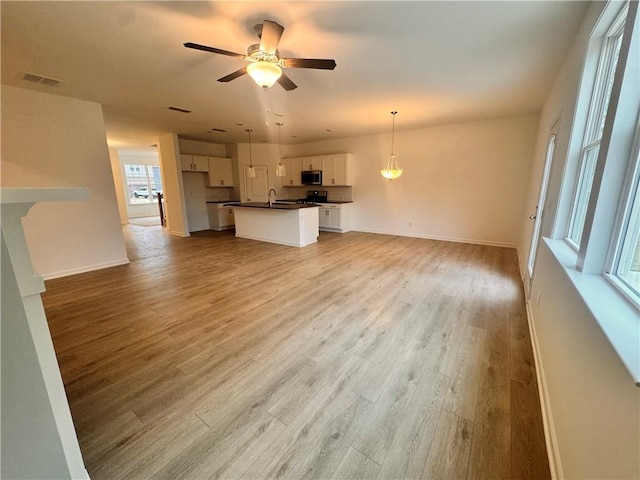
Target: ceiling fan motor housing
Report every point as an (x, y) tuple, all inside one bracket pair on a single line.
[(256, 55)]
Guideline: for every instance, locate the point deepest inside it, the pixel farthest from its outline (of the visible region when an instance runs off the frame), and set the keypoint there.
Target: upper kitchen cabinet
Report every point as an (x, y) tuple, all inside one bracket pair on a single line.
[(194, 163), (336, 169), (312, 163), (293, 167), (220, 172)]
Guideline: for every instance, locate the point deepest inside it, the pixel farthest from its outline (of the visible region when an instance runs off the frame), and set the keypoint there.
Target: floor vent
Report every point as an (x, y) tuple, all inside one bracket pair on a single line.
[(34, 77), (178, 109)]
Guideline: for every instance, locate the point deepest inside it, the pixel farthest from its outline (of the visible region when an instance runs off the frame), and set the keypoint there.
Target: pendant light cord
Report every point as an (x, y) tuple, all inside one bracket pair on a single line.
[(393, 130), (267, 107)]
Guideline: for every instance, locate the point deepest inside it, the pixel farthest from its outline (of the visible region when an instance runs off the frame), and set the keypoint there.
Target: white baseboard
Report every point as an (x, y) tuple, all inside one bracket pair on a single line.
[(84, 269), (179, 234), (442, 238), (555, 464)]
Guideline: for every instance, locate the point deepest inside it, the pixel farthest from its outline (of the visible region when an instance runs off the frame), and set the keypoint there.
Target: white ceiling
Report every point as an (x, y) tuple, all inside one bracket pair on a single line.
[(433, 62)]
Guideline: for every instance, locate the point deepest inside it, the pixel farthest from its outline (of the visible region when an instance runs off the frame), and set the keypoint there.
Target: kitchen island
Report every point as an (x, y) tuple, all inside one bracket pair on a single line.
[(287, 224)]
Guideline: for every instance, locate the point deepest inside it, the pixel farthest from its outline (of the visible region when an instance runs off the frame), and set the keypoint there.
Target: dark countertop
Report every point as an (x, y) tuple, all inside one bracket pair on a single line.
[(328, 201), (274, 206), (222, 201)]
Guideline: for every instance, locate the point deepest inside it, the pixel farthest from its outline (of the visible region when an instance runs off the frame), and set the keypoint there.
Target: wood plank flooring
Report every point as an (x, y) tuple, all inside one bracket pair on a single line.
[(361, 357)]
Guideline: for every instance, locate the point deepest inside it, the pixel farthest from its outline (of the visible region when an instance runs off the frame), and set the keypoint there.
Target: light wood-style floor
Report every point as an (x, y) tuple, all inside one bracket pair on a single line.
[(364, 356)]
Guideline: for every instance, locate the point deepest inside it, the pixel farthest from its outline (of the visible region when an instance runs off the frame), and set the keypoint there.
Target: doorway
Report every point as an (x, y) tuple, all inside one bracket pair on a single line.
[(257, 187), (539, 213)]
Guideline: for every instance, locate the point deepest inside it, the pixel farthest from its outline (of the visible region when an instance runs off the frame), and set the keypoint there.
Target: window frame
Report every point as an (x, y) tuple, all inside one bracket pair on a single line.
[(599, 101), (148, 177), (623, 219)]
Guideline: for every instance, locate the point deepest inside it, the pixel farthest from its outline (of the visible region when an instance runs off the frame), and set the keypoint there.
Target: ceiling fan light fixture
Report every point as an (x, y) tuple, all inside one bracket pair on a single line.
[(392, 171), (265, 74)]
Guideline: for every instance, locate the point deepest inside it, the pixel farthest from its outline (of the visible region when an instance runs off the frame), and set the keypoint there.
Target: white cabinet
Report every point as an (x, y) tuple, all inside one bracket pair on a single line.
[(335, 217), (336, 169), (312, 163), (220, 217), (293, 167), (194, 163), (220, 172)]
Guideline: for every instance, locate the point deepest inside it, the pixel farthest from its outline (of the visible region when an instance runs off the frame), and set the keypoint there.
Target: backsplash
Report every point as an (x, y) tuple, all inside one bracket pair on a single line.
[(334, 194)]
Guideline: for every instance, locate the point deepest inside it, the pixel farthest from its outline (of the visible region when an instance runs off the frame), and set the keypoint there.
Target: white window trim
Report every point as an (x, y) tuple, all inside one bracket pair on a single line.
[(596, 104), (626, 203)]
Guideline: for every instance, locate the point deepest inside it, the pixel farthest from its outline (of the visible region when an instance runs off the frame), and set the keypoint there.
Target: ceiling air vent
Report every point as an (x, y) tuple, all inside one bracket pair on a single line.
[(178, 109), (218, 130), (48, 81)]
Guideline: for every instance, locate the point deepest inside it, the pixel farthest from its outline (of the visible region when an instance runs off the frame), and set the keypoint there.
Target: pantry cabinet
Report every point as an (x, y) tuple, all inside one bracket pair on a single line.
[(336, 169), (293, 167), (194, 163), (220, 172)]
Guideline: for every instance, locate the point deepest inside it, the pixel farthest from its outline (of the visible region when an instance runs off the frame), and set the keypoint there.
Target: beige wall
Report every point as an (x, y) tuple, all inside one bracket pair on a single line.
[(464, 182), (54, 141)]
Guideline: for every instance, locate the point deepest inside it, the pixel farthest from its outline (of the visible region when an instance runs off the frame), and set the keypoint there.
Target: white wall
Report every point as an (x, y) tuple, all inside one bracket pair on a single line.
[(592, 401), (171, 169), (118, 181), (464, 182), (54, 141)]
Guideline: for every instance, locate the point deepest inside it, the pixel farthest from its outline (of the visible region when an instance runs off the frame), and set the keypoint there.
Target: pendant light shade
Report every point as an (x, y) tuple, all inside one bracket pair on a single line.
[(265, 74), (281, 171), (251, 172), (392, 170)]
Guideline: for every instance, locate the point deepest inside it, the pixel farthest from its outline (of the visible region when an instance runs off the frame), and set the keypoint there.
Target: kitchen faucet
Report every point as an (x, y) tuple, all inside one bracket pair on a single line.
[(274, 196)]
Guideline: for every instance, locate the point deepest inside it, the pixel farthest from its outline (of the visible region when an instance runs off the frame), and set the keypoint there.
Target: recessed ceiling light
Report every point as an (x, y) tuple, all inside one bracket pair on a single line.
[(239, 124), (279, 114)]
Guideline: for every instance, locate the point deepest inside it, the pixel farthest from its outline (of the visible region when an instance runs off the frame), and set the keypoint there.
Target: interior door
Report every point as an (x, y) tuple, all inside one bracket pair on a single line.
[(539, 213), (257, 187)]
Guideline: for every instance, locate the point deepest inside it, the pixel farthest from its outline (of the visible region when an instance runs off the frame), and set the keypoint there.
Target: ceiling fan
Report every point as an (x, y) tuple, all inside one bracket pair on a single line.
[(265, 65)]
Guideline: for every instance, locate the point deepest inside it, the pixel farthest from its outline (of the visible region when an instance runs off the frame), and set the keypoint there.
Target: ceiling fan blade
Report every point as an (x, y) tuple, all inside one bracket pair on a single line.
[(309, 63), (213, 50), (270, 36), (286, 83), (234, 75)]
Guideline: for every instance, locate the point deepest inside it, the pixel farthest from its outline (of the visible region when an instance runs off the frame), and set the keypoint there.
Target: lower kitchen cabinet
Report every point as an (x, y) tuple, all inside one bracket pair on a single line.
[(335, 217), (220, 217)]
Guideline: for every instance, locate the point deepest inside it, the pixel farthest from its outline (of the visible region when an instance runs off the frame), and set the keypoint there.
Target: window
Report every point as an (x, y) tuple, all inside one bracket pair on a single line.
[(143, 183), (624, 269), (595, 127)]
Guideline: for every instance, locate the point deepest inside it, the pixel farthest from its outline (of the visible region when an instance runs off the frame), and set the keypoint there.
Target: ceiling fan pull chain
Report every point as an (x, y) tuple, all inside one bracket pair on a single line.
[(267, 107)]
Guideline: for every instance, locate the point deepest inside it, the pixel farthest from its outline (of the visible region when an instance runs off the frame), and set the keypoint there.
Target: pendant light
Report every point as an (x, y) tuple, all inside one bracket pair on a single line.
[(392, 170), (281, 171), (251, 172)]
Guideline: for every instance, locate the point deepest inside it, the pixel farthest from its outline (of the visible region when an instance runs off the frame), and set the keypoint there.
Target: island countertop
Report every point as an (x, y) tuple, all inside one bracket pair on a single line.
[(274, 205)]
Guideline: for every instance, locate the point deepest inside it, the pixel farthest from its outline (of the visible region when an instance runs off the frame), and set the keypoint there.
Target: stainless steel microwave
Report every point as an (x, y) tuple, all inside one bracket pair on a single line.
[(311, 177)]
